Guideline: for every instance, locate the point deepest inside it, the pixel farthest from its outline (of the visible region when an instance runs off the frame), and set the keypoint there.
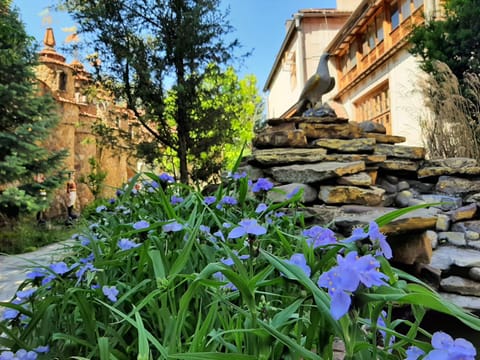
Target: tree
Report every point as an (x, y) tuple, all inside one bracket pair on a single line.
[(454, 39), (26, 119), (145, 46)]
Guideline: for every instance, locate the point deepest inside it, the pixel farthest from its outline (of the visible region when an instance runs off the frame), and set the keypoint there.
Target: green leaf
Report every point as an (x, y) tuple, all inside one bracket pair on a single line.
[(211, 356)]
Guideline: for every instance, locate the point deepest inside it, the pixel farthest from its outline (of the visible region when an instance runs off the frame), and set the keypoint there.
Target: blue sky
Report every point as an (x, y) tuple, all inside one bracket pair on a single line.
[(259, 24)]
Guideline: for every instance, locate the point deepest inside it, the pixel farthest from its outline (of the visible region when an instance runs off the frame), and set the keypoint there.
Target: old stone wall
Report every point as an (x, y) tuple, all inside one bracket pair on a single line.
[(352, 173), (78, 110)]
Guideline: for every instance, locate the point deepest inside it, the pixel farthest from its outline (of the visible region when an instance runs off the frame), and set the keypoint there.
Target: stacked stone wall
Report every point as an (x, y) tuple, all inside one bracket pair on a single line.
[(352, 173)]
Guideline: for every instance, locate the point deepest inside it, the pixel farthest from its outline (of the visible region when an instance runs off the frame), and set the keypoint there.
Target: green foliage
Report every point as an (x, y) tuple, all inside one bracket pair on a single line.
[(168, 273), (25, 235), (95, 180), (454, 40), (163, 59), (26, 119)]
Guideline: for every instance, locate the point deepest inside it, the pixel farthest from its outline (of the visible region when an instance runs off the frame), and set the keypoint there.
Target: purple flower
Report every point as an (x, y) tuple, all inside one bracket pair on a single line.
[(142, 224), (228, 286), (26, 294), (111, 201), (127, 244), (300, 261), (42, 349), (381, 322), (10, 314), (229, 261), (262, 184), (319, 236), (59, 268), (100, 208), (238, 176), (219, 234), (36, 274), (261, 208), (166, 178), (279, 214), (23, 354), (209, 200), (227, 200), (172, 227), (119, 193), (413, 353), (174, 200), (444, 347), (378, 238), (357, 234), (247, 226), (292, 193), (83, 269), (345, 278), (110, 292)]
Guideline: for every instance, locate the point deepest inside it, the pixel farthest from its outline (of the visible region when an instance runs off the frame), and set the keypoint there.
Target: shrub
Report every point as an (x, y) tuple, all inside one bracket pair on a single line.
[(168, 273)]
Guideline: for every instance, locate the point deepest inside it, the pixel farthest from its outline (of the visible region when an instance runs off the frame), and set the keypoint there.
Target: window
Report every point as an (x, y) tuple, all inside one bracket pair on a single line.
[(375, 106), (352, 55), (394, 15), (405, 8), (371, 36), (379, 24), (417, 3), (62, 81)]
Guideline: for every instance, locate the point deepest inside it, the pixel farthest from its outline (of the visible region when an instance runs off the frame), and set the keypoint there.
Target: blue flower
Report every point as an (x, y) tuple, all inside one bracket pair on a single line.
[(42, 349), (166, 178), (174, 200), (261, 208), (26, 294), (262, 184), (247, 226), (444, 347), (59, 268), (127, 244), (172, 227), (300, 261), (10, 314), (413, 353), (227, 200), (238, 176), (154, 184), (21, 354), (380, 239), (319, 236), (229, 261), (36, 274), (100, 208), (292, 193), (229, 285), (142, 224), (343, 279), (209, 200), (110, 292), (83, 269), (219, 234)]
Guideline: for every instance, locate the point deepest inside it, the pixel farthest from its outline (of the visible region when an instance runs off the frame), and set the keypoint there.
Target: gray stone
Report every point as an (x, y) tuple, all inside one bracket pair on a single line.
[(446, 202), (400, 151), (385, 139), (443, 222), (369, 159), (463, 213), (254, 173), (310, 173), (453, 237), (403, 185), (372, 127), (279, 193), (472, 235), (472, 225), (399, 165), (360, 179), (392, 179), (471, 303), (433, 237), (455, 185), (332, 131), (455, 163), (459, 285), (445, 256), (438, 171), (389, 187), (473, 198), (474, 273), (403, 198), (421, 187)]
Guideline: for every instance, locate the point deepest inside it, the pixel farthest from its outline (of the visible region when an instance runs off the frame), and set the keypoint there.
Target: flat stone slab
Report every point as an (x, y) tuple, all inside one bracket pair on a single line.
[(347, 146), (332, 131), (289, 156), (471, 303), (385, 139), (372, 127), (309, 119), (360, 179), (455, 185), (463, 226), (445, 256), (368, 159), (371, 196), (456, 163), (401, 151), (280, 138), (460, 285), (438, 171), (311, 173), (399, 165)]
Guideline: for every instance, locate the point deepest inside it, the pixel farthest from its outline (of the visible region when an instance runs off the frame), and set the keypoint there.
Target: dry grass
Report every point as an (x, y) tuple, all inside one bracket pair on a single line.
[(452, 129)]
